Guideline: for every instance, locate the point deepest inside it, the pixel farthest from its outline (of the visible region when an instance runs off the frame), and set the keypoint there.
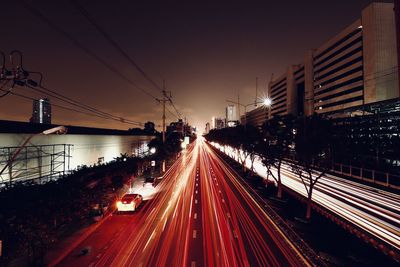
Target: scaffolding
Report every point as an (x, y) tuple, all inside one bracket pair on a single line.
[(38, 163)]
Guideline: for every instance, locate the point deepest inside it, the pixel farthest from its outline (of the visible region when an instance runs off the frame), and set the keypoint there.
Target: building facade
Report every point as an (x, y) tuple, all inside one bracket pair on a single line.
[(231, 115), (355, 68), (218, 123), (41, 112), (256, 116), (208, 128)]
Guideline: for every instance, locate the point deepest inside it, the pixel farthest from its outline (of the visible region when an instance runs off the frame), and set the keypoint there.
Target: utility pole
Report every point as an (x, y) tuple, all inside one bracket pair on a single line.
[(163, 101), (163, 116), (255, 100), (238, 103)]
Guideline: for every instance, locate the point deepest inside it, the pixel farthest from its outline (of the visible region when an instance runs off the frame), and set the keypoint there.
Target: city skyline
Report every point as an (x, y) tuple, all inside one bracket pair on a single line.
[(200, 134), (237, 55)]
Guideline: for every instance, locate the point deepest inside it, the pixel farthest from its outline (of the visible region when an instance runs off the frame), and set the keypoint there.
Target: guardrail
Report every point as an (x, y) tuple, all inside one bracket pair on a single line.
[(372, 176), (387, 179)]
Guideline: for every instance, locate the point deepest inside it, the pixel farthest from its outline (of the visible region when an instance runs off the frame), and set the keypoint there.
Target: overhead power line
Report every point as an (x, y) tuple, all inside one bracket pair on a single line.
[(70, 101), (41, 16), (71, 109), (107, 36)]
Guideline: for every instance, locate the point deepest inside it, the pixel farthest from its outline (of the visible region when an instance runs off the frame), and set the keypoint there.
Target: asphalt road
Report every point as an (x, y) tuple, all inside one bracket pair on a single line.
[(199, 215)]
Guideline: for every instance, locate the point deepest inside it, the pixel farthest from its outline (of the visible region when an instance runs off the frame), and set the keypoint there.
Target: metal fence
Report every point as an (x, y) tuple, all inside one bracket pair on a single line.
[(373, 176)]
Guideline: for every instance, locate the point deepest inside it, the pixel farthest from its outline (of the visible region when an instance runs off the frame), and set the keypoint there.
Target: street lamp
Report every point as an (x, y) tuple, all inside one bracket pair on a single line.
[(57, 130), (267, 102)]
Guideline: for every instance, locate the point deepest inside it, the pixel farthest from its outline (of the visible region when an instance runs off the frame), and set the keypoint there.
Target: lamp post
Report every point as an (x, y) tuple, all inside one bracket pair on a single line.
[(58, 130)]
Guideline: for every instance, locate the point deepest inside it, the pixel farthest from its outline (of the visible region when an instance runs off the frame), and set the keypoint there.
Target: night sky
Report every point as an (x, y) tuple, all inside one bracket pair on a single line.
[(206, 52)]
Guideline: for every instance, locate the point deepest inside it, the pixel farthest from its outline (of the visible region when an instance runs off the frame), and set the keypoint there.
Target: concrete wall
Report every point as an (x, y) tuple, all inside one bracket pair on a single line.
[(85, 150)]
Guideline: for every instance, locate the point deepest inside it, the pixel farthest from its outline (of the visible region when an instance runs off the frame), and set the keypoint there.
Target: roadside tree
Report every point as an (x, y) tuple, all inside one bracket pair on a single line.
[(312, 152), (277, 135)]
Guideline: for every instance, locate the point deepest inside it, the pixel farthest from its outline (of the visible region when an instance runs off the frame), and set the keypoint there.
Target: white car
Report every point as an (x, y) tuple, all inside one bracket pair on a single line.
[(129, 202)]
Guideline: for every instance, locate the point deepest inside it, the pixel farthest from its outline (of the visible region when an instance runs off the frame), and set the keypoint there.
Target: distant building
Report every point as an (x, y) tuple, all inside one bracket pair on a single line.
[(207, 128), (41, 112), (219, 123), (231, 116), (255, 117)]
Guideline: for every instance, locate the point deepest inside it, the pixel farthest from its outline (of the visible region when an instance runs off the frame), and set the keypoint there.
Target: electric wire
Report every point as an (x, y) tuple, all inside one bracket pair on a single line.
[(45, 19), (73, 110), (107, 36), (70, 101), (7, 92)]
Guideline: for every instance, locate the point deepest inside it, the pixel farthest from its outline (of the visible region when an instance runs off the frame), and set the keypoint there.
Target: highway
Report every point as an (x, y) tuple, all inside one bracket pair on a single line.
[(375, 211), (200, 215)]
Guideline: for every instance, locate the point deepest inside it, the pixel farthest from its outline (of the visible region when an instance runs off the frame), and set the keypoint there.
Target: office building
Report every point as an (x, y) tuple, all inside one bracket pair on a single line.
[(41, 112), (207, 130), (256, 116), (231, 116), (353, 69), (218, 123)]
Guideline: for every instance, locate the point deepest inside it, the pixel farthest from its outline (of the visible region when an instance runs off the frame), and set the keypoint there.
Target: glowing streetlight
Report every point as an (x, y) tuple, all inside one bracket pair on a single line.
[(267, 102)]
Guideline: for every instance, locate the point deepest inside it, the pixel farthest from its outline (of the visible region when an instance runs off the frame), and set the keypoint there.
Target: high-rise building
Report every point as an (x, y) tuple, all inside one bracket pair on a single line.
[(207, 128), (231, 113), (41, 112), (231, 117), (353, 70)]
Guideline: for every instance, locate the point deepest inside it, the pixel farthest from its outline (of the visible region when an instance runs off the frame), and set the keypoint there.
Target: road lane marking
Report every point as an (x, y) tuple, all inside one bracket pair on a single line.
[(194, 233), (195, 216), (191, 204), (195, 201), (197, 192), (193, 264), (148, 240)]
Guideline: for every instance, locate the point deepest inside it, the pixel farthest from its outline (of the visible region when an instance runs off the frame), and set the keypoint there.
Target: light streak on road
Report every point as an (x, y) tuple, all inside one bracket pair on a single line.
[(201, 215), (375, 211)]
